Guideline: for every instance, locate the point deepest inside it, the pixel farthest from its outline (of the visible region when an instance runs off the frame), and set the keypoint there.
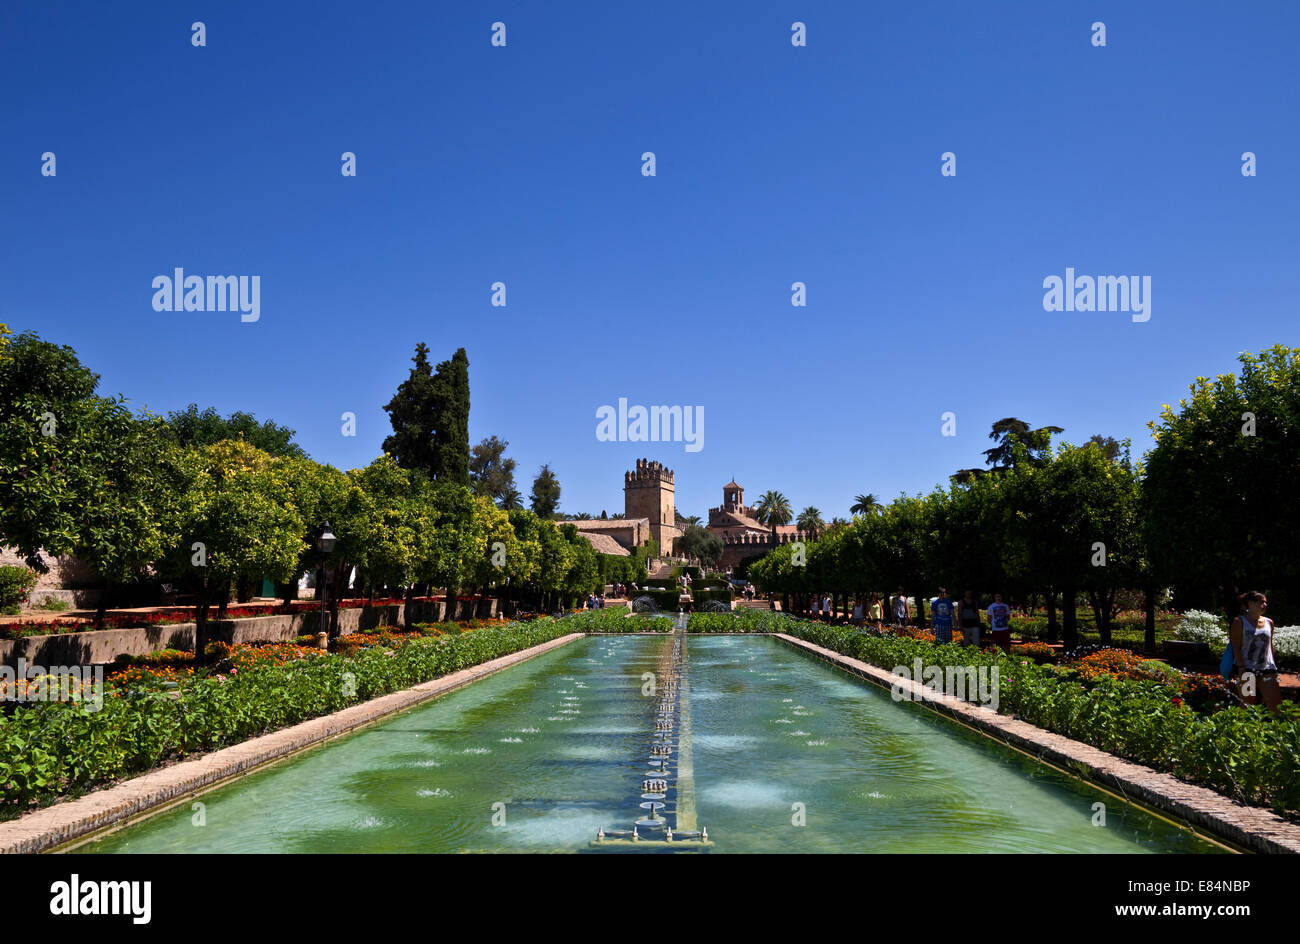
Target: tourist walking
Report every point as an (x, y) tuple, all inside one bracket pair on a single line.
[(876, 611), (828, 607), (1251, 635), (1000, 623), (856, 620), (968, 617), (900, 609), (942, 610)]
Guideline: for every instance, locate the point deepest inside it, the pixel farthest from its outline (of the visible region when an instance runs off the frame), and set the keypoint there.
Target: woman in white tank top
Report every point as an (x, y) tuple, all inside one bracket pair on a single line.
[(1252, 649)]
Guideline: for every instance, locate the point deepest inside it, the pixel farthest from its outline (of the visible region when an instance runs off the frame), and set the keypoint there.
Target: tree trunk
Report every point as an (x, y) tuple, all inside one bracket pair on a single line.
[(1149, 637), (333, 603), (1053, 626), (1071, 639), (224, 605), (201, 626), (920, 611)]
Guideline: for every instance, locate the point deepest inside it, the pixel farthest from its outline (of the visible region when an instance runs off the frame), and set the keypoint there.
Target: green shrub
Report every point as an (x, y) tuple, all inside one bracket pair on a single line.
[(15, 583), (616, 620)]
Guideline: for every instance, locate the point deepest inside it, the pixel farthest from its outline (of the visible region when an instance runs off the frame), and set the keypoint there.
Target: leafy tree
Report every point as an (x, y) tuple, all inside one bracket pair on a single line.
[(545, 499), (495, 541), (47, 402), (491, 473), (1009, 432), (448, 550), (79, 474), (583, 573), (701, 543), (233, 521), (1220, 502), (1014, 439), (389, 557), (190, 427), (1109, 445)]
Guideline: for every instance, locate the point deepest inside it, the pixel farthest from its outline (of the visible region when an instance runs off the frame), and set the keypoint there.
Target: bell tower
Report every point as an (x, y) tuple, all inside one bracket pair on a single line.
[(733, 497)]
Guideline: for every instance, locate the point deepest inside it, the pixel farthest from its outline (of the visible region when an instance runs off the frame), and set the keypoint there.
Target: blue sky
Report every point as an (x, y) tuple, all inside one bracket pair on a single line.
[(774, 164)]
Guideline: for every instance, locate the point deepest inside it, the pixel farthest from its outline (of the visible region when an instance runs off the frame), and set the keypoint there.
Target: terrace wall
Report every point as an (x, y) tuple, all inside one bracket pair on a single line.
[(102, 646)]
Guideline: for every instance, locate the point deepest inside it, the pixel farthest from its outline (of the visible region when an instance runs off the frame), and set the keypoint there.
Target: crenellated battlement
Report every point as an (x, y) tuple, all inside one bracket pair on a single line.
[(647, 474)]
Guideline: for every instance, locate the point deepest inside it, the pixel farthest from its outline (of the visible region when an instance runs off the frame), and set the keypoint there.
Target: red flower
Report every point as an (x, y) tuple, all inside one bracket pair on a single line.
[(1176, 701)]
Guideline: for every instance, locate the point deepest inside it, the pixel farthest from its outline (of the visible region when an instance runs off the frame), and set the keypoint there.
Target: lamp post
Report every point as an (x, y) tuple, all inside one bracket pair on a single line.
[(325, 544)]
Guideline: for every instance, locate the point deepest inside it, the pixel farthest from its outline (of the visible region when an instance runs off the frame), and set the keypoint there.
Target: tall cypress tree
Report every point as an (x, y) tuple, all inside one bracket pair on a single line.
[(412, 412), (451, 421), (546, 493), (430, 417)]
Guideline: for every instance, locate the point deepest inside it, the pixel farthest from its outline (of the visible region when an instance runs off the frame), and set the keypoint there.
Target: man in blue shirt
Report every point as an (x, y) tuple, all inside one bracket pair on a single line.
[(1000, 623), (943, 611)]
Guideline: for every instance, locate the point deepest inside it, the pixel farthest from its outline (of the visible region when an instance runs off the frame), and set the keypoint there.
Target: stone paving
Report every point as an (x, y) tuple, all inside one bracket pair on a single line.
[(42, 830), (1250, 827)]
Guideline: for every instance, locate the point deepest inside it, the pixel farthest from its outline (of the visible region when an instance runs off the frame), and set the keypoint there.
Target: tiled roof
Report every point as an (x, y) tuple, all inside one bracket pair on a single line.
[(604, 544), (594, 524)]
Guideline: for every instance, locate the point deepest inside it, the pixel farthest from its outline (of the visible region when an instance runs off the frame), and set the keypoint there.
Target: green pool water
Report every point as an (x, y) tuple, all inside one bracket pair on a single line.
[(788, 755)]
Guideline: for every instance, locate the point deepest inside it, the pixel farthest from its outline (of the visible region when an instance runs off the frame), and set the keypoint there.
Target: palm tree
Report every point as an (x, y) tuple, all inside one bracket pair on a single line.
[(511, 500), (773, 509), (810, 521), (865, 505), (836, 524)]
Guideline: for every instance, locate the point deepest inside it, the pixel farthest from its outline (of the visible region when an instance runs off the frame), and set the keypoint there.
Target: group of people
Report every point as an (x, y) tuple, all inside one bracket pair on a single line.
[(948, 614), (594, 601)]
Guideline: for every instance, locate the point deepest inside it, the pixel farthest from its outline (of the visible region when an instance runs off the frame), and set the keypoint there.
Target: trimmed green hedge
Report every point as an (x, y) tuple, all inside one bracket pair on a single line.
[(1242, 752), (50, 749), (617, 621)]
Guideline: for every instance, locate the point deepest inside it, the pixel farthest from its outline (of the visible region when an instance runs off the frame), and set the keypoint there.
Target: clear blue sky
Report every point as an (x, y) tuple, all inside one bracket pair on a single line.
[(775, 164)]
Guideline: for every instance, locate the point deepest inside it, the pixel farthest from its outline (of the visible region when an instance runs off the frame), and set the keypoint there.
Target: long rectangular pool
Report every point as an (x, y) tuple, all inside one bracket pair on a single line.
[(768, 749)]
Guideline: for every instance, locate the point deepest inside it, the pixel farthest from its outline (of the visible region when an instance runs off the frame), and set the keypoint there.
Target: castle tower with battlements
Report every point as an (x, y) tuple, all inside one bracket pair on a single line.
[(648, 493)]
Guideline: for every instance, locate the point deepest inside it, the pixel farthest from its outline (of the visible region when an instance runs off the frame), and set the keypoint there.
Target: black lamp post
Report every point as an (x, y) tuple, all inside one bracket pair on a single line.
[(325, 544)]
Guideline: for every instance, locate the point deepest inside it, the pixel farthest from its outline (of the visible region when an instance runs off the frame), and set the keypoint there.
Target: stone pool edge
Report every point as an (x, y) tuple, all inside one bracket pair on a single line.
[(54, 826), (1254, 829)]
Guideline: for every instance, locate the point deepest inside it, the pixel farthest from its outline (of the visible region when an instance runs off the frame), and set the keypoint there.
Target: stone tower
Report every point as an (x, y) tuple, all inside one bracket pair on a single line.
[(733, 497), (648, 493)]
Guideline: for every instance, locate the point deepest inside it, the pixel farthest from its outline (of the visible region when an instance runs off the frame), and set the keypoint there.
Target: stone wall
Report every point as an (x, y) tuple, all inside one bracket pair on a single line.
[(102, 646)]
